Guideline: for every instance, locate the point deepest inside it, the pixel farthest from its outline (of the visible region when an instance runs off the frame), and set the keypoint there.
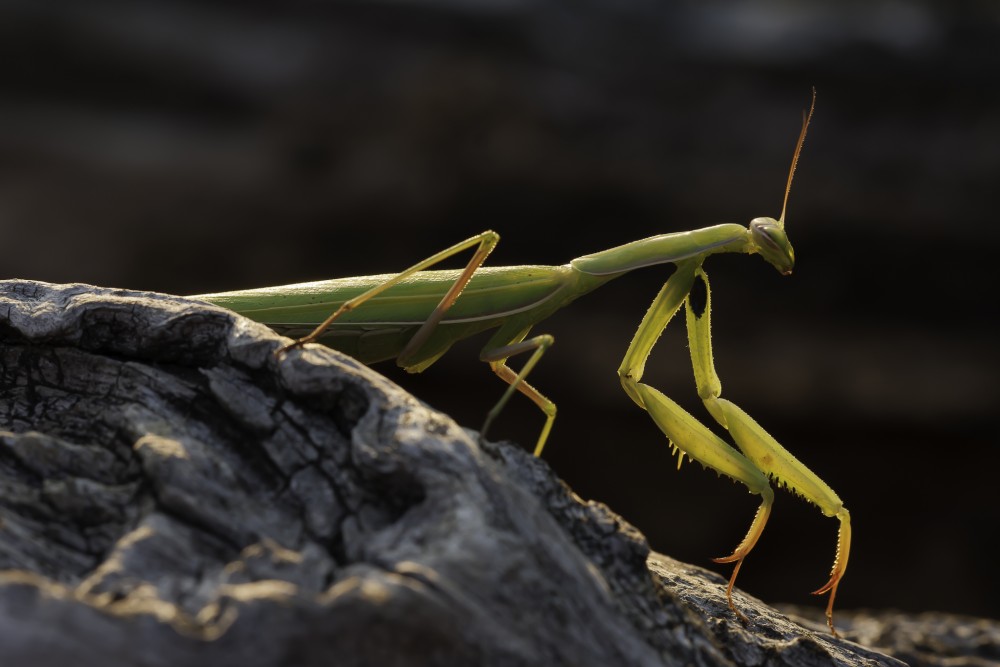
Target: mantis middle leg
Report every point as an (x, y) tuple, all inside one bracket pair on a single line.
[(497, 357)]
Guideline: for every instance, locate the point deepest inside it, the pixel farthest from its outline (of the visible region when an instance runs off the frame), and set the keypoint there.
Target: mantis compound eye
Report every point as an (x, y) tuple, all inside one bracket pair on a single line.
[(770, 240)]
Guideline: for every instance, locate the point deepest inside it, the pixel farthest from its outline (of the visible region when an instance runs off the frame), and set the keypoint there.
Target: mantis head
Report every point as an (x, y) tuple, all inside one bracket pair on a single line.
[(769, 239), (767, 235)]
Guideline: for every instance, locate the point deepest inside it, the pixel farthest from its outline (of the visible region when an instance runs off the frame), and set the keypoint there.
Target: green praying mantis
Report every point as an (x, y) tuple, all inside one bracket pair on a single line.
[(415, 316)]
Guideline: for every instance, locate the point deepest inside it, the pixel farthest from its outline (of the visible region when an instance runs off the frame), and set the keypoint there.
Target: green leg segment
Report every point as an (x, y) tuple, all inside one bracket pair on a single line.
[(497, 359), (496, 356), (762, 457), (484, 243), (759, 447)]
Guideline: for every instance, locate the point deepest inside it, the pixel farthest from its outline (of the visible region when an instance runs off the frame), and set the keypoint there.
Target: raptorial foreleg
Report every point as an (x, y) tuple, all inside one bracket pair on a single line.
[(766, 454), (686, 433)]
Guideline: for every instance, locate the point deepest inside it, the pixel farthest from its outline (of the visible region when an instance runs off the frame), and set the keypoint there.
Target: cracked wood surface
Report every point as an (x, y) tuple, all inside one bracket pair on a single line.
[(171, 493)]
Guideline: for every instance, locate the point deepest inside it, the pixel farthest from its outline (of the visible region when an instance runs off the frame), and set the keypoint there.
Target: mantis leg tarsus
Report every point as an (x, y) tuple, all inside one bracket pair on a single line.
[(755, 531), (729, 588), (839, 565), (285, 349), (497, 359), (748, 543), (296, 344)]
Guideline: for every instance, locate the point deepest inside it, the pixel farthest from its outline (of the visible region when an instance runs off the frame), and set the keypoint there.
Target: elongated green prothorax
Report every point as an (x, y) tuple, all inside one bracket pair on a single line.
[(415, 316)]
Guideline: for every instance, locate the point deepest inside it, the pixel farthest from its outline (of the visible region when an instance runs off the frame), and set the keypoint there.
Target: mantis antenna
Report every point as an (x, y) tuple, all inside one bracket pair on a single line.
[(806, 117)]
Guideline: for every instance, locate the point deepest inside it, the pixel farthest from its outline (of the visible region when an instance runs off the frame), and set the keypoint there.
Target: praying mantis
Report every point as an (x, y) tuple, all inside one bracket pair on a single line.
[(415, 316)]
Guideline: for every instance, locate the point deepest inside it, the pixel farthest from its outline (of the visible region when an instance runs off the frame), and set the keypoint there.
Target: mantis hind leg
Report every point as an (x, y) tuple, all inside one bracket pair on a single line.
[(496, 356), (484, 242)]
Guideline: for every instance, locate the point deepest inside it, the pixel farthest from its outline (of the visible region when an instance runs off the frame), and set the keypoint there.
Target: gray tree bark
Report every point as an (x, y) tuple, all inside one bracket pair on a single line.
[(174, 494)]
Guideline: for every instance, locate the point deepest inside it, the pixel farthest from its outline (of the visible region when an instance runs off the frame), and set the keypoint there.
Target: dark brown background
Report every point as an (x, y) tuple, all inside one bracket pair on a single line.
[(201, 146)]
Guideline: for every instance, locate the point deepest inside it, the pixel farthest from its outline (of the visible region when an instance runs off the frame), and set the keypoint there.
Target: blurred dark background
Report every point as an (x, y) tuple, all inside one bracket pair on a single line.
[(191, 147)]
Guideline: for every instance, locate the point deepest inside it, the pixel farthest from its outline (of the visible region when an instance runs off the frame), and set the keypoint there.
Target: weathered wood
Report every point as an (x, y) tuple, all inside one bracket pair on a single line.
[(172, 493), (929, 639)]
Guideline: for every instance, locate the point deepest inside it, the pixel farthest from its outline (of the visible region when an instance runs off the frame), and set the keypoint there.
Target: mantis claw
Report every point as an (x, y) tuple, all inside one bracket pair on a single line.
[(732, 581), (831, 588), (839, 565), (284, 349), (741, 551), (827, 587)]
